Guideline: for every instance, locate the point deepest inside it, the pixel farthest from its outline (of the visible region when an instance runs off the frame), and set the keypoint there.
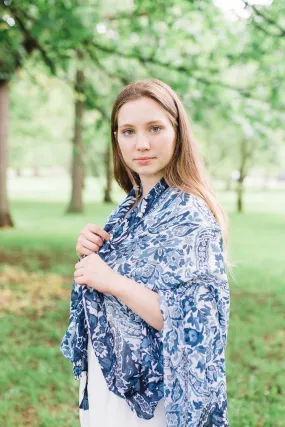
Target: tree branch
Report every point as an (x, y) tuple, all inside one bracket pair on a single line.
[(30, 43), (95, 58), (124, 15), (179, 68), (267, 19)]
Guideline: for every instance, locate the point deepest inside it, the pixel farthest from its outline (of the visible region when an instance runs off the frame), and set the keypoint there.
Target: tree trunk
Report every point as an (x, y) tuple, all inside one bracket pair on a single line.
[(244, 156), (77, 171), (5, 217), (109, 175), (240, 192)]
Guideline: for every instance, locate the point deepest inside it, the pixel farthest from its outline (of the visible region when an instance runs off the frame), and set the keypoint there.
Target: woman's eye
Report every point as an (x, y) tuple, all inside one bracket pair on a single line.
[(127, 130), (157, 127)]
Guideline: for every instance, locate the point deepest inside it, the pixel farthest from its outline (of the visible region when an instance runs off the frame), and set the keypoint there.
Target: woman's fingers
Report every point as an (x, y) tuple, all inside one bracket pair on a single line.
[(79, 272), (90, 239), (83, 251), (85, 247), (93, 238), (99, 231)]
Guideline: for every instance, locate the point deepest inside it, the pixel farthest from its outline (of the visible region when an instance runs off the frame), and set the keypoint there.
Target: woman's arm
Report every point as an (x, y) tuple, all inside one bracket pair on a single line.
[(141, 300), (95, 273)]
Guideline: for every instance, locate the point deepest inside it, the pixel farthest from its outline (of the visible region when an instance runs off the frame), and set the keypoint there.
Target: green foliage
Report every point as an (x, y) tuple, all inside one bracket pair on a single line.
[(226, 67)]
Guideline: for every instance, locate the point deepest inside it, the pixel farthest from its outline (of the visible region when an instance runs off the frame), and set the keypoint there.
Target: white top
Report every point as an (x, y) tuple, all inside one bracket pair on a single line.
[(105, 408)]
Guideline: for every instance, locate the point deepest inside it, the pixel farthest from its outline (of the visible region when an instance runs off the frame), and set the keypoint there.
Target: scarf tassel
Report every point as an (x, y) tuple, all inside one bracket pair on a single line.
[(84, 403)]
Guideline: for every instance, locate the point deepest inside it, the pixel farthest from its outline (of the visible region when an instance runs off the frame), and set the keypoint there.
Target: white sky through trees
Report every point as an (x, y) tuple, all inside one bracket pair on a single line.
[(235, 9)]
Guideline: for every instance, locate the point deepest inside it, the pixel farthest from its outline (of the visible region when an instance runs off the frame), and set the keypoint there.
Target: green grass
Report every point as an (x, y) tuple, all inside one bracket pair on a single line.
[(36, 381), (43, 229)]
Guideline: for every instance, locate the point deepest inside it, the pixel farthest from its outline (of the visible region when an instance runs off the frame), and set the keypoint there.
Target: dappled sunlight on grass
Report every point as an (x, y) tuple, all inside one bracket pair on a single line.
[(21, 290), (38, 258)]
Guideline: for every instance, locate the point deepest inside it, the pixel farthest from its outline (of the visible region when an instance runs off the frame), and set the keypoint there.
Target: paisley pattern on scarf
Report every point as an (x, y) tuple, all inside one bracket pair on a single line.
[(172, 244)]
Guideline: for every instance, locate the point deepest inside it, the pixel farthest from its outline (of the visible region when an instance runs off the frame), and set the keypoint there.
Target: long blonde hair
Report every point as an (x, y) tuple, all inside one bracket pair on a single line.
[(186, 169)]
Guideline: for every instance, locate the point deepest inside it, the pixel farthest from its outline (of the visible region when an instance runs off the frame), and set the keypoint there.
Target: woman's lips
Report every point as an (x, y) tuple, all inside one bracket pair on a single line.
[(143, 161)]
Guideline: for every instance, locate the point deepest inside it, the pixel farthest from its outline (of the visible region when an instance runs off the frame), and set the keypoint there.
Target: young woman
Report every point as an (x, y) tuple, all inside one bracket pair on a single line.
[(150, 300)]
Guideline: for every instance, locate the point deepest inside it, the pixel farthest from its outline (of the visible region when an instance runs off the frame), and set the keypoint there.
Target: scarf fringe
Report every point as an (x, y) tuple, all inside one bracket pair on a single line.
[(84, 402)]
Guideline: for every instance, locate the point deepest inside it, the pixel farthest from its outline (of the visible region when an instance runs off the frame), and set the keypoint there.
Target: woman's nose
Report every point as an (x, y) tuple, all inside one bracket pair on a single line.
[(142, 141)]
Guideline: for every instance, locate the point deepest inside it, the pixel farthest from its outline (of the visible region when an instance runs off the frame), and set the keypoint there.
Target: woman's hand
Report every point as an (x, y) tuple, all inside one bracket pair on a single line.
[(95, 273), (90, 240)]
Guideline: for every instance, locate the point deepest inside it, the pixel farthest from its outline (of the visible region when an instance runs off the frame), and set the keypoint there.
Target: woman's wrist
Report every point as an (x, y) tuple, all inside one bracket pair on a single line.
[(144, 302), (120, 285)]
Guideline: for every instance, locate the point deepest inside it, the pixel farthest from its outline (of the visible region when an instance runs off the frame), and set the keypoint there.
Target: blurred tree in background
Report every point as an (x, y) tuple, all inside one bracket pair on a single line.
[(224, 60)]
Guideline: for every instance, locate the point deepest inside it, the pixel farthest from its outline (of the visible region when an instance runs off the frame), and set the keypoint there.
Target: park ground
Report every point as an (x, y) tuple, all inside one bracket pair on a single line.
[(36, 274)]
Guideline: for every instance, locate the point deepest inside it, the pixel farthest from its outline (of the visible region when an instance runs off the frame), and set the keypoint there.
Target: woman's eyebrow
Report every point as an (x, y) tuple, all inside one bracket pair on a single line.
[(147, 123)]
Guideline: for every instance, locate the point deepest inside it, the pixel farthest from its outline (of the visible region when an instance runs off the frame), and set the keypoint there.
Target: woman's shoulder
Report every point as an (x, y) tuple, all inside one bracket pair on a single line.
[(191, 207)]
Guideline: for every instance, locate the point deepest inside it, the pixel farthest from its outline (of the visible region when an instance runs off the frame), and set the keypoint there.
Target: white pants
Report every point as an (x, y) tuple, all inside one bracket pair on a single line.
[(105, 408)]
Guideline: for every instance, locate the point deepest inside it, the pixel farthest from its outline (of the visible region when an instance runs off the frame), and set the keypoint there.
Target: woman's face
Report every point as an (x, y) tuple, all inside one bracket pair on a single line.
[(144, 130)]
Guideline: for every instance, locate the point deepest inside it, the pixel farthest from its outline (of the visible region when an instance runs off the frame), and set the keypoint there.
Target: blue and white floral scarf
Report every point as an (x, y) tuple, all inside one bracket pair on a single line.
[(172, 244)]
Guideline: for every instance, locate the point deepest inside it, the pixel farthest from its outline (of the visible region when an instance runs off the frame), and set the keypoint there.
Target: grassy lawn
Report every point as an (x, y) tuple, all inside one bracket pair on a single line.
[(37, 264)]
